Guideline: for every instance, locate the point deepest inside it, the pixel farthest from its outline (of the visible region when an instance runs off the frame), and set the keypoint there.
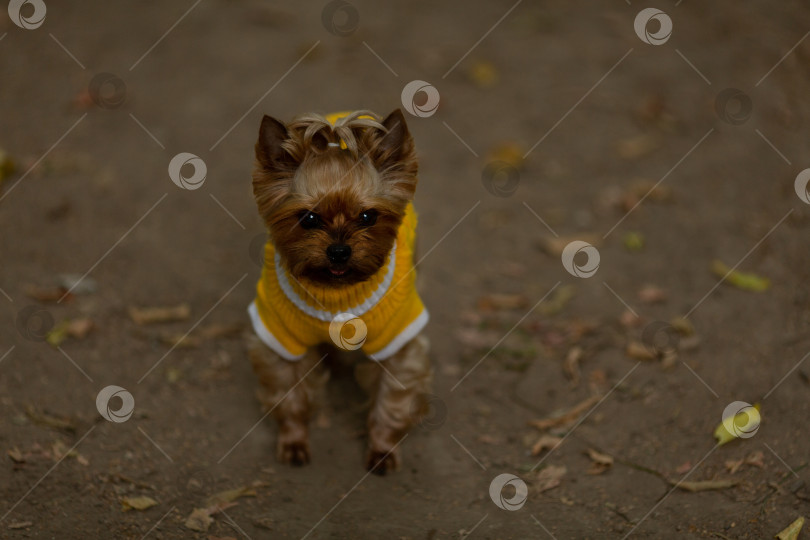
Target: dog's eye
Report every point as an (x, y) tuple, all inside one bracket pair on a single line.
[(368, 217), (310, 220)]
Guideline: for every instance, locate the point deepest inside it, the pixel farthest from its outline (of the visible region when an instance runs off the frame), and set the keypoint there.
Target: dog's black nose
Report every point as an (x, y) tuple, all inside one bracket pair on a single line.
[(338, 253)]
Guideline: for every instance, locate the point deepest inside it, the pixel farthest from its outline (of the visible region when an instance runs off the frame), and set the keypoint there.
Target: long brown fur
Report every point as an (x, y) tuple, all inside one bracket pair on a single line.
[(297, 171)]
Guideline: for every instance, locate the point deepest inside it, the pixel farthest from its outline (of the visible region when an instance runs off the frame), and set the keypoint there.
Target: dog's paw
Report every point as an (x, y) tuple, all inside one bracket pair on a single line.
[(380, 462), (294, 453)]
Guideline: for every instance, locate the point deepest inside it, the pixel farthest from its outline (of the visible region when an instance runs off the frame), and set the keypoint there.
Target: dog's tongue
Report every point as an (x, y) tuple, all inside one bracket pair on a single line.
[(337, 272)]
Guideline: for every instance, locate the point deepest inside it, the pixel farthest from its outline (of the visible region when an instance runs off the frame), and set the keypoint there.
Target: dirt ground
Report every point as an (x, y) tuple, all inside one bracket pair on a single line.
[(601, 117)]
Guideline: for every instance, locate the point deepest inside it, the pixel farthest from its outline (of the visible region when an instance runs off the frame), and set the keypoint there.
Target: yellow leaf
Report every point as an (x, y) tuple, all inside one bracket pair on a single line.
[(792, 531), (728, 430), (741, 280), (484, 74), (137, 503)]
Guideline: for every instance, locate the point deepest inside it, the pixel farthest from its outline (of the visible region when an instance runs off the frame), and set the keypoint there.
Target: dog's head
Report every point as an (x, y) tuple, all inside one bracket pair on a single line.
[(333, 197)]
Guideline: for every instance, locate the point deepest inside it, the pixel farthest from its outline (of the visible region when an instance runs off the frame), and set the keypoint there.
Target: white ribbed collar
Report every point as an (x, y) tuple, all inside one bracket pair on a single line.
[(323, 315)]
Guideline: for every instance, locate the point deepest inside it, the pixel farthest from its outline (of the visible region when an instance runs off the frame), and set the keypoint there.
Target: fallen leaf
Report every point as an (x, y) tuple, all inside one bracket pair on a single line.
[(46, 294), (199, 520), (705, 485), (15, 455), (554, 245), (600, 462), (756, 459), (628, 319), (79, 328), (48, 420), (639, 351), (566, 417), (546, 442), (684, 468), (137, 503), (497, 302), (633, 241), (791, 532), (683, 326), (550, 477), (571, 364), (221, 499), (733, 466), (484, 74), (14, 525), (509, 152), (559, 299), (740, 420), (741, 280), (650, 294), (152, 315), (637, 146)]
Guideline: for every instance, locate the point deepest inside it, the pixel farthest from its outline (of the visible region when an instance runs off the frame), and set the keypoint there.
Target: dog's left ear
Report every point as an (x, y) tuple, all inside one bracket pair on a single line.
[(393, 149)]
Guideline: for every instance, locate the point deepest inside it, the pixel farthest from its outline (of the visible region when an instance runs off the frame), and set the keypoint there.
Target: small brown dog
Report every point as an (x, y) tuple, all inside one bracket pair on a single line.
[(335, 194)]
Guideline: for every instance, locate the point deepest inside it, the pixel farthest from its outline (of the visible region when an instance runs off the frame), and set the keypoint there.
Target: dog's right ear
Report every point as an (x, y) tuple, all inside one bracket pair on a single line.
[(269, 151)]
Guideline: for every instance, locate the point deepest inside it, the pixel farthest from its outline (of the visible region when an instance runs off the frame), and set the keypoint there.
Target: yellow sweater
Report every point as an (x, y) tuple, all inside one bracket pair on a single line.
[(291, 316), (379, 315)]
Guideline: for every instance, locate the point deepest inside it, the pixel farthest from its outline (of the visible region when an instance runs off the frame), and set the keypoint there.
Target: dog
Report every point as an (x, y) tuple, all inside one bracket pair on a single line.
[(335, 193)]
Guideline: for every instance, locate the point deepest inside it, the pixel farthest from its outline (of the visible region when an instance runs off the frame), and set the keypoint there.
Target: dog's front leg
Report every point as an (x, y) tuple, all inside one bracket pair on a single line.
[(395, 407), (287, 389)]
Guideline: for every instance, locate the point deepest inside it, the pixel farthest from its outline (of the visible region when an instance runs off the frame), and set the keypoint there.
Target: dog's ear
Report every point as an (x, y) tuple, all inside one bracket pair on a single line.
[(269, 151), (393, 148)]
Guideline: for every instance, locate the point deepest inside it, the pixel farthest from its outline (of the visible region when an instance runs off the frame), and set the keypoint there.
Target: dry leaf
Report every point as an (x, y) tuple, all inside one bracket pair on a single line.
[(791, 532), (601, 462), (633, 241), (683, 326), (484, 74), (496, 302), (15, 455), (546, 442), (628, 319), (151, 315), (554, 245), (734, 465), (705, 485), (684, 468), (650, 294), (14, 525), (46, 294), (559, 299), (199, 520), (221, 499), (550, 477), (137, 503), (741, 280), (638, 146), (48, 420), (756, 459), (639, 351), (571, 364), (566, 417)]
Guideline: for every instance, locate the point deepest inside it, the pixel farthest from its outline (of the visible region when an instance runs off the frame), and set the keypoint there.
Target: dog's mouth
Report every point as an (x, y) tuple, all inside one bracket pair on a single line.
[(337, 272)]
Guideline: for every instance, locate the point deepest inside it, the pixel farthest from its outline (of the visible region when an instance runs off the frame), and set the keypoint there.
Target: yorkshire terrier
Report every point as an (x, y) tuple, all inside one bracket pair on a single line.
[(335, 194)]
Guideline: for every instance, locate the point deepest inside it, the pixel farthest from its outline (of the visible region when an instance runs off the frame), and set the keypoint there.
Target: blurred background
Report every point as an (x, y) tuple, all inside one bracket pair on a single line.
[(672, 143)]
